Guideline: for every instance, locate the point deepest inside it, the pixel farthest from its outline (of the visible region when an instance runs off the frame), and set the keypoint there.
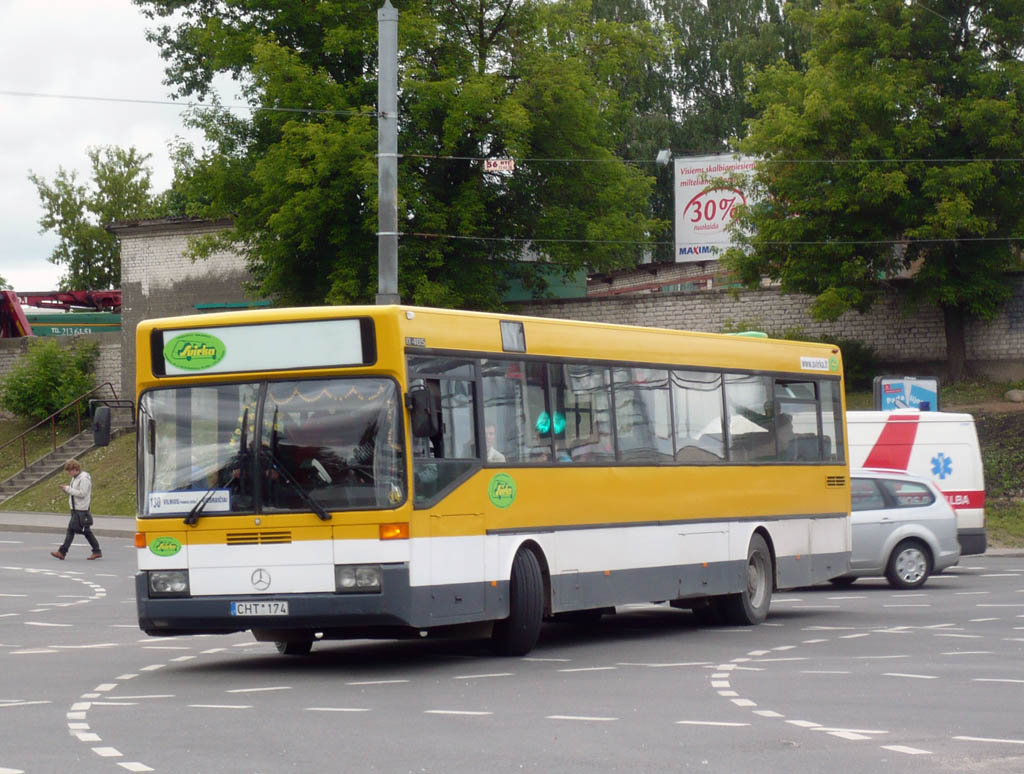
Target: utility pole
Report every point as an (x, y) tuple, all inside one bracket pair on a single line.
[(387, 154)]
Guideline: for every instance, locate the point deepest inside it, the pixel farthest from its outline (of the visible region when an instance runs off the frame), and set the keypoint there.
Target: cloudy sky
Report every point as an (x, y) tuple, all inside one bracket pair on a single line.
[(84, 48)]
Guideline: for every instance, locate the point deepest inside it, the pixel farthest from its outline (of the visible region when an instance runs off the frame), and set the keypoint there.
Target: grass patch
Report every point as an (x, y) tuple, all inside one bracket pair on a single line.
[(1004, 521), (112, 469), (38, 443)]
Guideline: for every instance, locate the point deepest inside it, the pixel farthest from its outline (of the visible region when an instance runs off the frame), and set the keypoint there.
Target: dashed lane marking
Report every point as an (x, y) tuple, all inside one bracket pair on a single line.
[(904, 749), (455, 712), (996, 680), (337, 709), (587, 718), (478, 677), (988, 739), (259, 690), (722, 724), (377, 682), (910, 676)]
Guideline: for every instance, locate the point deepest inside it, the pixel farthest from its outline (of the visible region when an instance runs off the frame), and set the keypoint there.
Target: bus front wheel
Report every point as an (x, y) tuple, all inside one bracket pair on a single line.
[(751, 605), (517, 634)]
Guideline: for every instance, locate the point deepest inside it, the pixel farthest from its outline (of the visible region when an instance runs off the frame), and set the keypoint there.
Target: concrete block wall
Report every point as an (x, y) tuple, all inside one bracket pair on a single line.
[(159, 280), (916, 340)]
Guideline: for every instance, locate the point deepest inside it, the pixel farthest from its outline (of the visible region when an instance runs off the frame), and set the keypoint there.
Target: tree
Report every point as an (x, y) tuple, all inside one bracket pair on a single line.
[(3, 284), (897, 151), (120, 190), (533, 80), (48, 377)]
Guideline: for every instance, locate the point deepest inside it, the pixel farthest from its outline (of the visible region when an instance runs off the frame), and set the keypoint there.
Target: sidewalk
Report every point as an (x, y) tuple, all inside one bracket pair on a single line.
[(124, 526), (28, 521)]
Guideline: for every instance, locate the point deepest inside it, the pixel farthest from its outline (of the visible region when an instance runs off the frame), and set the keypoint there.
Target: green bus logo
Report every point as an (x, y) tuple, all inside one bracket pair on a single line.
[(194, 351), (165, 546), (502, 490)]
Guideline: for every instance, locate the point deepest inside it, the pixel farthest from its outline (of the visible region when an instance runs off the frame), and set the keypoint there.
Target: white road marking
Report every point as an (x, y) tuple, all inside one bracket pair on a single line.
[(13, 595), (87, 736), (804, 723), (134, 766), (854, 636), (904, 749), (125, 677), (1000, 575), (709, 723), (967, 653), (996, 680), (769, 714), (558, 660), (883, 658), (784, 647), (983, 620), (660, 666), (377, 682), (43, 623), (337, 709), (85, 647), (12, 771), (32, 651), (813, 642), (498, 674), (849, 735), (910, 676), (183, 658), (988, 739), (581, 669), (909, 604), (260, 690), (455, 712), (107, 752), (823, 672), (727, 694), (152, 667), (578, 717), (144, 696), (787, 658), (16, 703), (81, 705), (961, 636), (221, 706), (743, 702), (719, 683)]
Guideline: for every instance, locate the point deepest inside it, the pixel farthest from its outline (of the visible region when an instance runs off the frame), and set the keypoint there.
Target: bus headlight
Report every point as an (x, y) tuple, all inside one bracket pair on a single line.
[(357, 578), (168, 583)]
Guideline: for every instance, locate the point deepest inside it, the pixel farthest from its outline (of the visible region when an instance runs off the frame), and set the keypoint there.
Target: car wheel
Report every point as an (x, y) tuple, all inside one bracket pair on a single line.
[(909, 565)]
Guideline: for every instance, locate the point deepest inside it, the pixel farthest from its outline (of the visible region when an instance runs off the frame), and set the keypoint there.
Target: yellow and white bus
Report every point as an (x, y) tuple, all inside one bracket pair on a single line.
[(387, 471)]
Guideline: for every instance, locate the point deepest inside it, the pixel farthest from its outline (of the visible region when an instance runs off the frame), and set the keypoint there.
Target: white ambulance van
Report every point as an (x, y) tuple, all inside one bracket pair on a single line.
[(939, 445)]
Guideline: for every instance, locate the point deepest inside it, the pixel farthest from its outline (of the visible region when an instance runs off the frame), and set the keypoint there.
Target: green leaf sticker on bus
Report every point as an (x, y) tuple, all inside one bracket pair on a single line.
[(165, 546), (194, 351), (833, 364), (502, 490)]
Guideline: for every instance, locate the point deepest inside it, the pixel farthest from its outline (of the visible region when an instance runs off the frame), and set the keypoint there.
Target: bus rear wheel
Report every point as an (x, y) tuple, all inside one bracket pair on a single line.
[(750, 606), (517, 634)]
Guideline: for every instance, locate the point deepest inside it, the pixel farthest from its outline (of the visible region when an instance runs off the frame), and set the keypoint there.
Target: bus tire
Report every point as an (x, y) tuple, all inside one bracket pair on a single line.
[(294, 648), (750, 606), (517, 634), (909, 565)]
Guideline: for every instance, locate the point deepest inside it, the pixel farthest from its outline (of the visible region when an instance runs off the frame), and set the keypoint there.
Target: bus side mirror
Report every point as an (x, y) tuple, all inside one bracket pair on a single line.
[(101, 426), (424, 410)]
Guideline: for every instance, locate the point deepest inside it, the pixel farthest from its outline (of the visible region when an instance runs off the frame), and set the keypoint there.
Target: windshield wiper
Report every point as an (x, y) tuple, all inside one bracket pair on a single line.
[(193, 516), (306, 496)]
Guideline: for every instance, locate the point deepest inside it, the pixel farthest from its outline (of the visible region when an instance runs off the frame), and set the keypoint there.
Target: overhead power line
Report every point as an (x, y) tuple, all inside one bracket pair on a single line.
[(190, 105)]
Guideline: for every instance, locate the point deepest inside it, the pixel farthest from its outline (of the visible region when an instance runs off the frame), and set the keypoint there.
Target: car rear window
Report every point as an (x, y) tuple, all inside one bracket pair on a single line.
[(908, 494)]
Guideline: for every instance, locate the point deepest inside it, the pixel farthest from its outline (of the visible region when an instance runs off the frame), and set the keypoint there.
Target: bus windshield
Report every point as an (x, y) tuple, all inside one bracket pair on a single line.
[(272, 447)]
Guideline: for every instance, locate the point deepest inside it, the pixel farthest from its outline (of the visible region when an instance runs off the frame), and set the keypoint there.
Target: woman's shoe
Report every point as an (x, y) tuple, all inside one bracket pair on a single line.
[(95, 555), (57, 554)]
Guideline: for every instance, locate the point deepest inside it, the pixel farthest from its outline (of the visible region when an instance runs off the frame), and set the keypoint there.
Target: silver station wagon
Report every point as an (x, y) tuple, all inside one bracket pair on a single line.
[(903, 528)]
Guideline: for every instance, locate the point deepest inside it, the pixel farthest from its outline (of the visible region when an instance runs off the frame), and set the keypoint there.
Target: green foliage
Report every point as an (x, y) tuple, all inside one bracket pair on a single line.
[(553, 85), (4, 284), (1002, 438), (48, 377), (897, 147), (78, 214)]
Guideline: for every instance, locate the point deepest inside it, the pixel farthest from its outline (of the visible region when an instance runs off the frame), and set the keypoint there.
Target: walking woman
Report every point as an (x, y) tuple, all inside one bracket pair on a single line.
[(79, 498)]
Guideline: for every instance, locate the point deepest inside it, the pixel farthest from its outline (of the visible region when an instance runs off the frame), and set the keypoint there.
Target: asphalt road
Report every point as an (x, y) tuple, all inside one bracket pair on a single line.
[(862, 679)]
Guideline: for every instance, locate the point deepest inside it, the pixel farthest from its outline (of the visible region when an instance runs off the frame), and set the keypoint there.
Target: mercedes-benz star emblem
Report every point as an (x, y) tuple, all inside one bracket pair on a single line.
[(260, 579)]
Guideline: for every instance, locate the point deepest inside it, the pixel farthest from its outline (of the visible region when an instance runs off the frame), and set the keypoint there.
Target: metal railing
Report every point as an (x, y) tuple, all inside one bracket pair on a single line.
[(52, 420)]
